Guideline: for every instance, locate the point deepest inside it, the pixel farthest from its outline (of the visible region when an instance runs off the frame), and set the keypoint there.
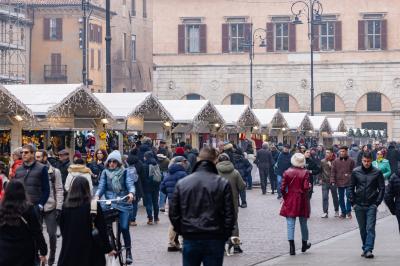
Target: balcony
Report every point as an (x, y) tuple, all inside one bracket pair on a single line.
[(55, 72)]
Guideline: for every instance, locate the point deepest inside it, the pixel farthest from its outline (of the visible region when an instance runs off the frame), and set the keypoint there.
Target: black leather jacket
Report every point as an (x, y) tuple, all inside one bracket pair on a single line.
[(392, 195), (202, 205), (367, 186)]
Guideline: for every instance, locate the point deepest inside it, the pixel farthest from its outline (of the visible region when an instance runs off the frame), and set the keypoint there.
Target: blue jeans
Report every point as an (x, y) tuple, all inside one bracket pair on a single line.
[(366, 218), (208, 252), (134, 210), (344, 207), (162, 200), (151, 201), (279, 178), (249, 182), (291, 224), (124, 227)]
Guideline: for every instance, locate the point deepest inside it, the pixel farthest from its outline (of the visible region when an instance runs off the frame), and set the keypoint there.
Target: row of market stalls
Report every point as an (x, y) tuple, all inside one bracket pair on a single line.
[(59, 116)]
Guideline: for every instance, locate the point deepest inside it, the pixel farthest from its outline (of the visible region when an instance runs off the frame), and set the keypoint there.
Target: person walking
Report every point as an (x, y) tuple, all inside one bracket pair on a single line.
[(264, 162), (326, 168), (63, 164), (176, 171), (244, 167), (313, 168), (17, 161), (35, 178), (272, 176), (282, 164), (133, 161), (115, 182), (97, 166), (382, 164), (20, 232), (227, 170), (53, 206), (79, 248), (342, 168), (367, 190), (296, 203), (392, 196), (364, 148), (78, 168), (207, 222), (163, 163), (393, 156), (191, 156)]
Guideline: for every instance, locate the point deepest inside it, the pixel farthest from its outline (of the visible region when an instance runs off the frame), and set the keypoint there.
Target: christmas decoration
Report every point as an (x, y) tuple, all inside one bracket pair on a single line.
[(350, 133)]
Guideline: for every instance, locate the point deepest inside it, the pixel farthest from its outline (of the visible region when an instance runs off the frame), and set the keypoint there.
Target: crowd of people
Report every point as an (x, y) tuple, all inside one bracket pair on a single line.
[(202, 191)]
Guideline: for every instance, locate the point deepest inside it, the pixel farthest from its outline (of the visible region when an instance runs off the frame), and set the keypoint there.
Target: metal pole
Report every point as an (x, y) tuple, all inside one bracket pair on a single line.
[(311, 21), (251, 66), (108, 47), (84, 46)]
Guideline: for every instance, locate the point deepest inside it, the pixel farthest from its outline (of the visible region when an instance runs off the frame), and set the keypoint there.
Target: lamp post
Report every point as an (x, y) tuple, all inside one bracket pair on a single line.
[(261, 35), (312, 10), (85, 6)]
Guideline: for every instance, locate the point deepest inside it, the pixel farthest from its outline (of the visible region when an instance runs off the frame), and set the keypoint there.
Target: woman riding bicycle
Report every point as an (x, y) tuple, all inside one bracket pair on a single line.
[(116, 183)]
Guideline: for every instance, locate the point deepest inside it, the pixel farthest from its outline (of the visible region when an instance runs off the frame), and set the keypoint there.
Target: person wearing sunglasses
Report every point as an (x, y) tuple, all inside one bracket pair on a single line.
[(115, 182)]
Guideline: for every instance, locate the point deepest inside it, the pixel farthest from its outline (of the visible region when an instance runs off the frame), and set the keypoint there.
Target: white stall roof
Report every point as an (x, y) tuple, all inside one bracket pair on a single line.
[(11, 105), (187, 111), (237, 114), (337, 124), (320, 123), (265, 115), (298, 121)]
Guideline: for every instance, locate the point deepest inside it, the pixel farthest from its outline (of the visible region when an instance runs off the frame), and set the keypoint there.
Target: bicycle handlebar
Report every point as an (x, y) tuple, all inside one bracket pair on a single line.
[(109, 201)]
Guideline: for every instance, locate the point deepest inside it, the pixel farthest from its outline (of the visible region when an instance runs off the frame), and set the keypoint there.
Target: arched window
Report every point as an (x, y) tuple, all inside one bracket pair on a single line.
[(237, 99), (374, 102), (282, 102), (193, 96), (327, 102)]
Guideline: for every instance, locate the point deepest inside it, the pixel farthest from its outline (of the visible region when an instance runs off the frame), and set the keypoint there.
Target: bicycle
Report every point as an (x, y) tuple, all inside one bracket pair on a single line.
[(111, 216)]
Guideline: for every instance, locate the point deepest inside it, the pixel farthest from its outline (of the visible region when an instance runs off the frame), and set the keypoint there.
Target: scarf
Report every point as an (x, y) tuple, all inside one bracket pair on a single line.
[(115, 176)]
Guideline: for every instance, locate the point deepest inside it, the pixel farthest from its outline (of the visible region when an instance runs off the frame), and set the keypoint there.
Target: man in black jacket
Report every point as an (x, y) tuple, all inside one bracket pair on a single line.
[(264, 163), (366, 194), (204, 217)]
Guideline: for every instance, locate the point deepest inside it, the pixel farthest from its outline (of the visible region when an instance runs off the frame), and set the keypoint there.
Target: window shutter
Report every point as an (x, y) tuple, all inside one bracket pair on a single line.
[(133, 8), (46, 29), (101, 35), (338, 36), (384, 34), (59, 26), (316, 37), (203, 38), (90, 32), (225, 38), (181, 39), (247, 37), (292, 37), (270, 37), (361, 35), (91, 58), (98, 59)]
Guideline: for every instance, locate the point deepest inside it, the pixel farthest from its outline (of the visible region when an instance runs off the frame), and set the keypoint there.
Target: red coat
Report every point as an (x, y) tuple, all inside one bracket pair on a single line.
[(14, 167), (295, 201)]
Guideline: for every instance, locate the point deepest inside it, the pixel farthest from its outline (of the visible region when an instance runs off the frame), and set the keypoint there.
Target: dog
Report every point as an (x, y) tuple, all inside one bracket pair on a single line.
[(232, 242)]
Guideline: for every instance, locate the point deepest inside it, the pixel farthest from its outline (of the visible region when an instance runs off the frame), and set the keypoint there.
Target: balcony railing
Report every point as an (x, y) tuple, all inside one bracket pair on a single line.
[(55, 72)]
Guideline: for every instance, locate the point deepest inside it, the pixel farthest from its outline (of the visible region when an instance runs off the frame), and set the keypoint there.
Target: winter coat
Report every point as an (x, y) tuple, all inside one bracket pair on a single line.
[(341, 171), (384, 166), (294, 188), (326, 168), (313, 168), (96, 169), (14, 166), (264, 159), (75, 170), (78, 247), (393, 156), (163, 165), (17, 243), (242, 165), (226, 170), (353, 153), (392, 195), (149, 185), (63, 166), (192, 159), (175, 173), (145, 147), (202, 205), (283, 163), (56, 197)]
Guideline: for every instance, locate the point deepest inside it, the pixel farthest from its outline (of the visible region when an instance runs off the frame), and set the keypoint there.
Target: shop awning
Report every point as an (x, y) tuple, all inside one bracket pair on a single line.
[(298, 121), (320, 123), (238, 116), (271, 118), (12, 109), (337, 124)]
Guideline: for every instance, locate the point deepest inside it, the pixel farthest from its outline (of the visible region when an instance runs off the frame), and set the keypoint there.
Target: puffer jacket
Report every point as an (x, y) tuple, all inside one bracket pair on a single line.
[(392, 195), (75, 170), (367, 186), (242, 165), (205, 213), (393, 156), (175, 173)]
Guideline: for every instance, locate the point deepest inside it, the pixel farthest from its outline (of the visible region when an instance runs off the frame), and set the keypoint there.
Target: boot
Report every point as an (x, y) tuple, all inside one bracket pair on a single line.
[(305, 246), (292, 247), (237, 249), (129, 259)]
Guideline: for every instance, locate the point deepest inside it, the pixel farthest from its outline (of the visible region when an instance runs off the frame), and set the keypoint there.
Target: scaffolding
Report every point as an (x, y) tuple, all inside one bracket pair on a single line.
[(14, 26)]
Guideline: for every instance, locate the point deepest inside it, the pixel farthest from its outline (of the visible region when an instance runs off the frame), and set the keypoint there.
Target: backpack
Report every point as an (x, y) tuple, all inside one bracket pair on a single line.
[(155, 173)]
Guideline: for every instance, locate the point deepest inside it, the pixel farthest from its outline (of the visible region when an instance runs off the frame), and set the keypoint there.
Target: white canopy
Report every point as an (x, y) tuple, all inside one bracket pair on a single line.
[(298, 121), (337, 124), (238, 115), (11, 106), (270, 117), (320, 123)]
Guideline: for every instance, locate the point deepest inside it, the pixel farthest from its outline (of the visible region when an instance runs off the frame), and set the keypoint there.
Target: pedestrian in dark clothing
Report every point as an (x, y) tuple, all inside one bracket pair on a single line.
[(313, 169), (364, 148), (354, 152), (392, 196), (264, 162), (97, 166), (207, 222), (133, 161), (367, 190), (393, 156), (282, 164), (146, 146), (78, 246), (272, 176), (151, 187), (63, 164), (325, 181), (20, 232), (244, 167), (190, 156)]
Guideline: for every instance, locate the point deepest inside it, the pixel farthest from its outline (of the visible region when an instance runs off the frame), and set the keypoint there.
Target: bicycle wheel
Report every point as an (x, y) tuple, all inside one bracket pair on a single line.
[(121, 251)]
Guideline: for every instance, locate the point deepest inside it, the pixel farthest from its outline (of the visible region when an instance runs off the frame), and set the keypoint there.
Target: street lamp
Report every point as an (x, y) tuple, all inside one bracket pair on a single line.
[(312, 10), (260, 35)]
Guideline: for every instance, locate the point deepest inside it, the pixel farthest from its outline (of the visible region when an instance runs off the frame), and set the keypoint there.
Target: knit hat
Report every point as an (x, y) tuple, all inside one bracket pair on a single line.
[(180, 151), (78, 155), (298, 160), (115, 155)]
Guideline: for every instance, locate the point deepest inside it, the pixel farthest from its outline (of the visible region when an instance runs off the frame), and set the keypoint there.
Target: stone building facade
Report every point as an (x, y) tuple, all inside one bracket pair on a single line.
[(199, 53)]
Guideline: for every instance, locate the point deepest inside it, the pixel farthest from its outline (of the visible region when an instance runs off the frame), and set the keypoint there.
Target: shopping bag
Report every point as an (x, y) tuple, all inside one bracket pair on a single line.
[(112, 261)]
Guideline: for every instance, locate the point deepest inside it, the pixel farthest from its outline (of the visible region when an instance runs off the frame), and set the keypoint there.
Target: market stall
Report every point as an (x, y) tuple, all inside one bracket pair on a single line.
[(322, 130), (339, 135), (273, 125), (194, 121), (300, 129)]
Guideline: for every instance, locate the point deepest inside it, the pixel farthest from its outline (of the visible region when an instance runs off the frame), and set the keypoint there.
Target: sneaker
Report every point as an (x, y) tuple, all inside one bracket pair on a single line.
[(369, 255), (325, 215), (129, 259), (150, 222), (162, 210), (244, 205), (279, 197), (337, 214), (342, 216), (237, 249), (173, 249), (157, 220), (133, 223), (349, 216)]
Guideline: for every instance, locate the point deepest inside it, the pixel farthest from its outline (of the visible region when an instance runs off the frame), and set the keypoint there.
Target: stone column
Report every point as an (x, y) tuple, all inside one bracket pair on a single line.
[(195, 140), (16, 136), (120, 142), (280, 136)]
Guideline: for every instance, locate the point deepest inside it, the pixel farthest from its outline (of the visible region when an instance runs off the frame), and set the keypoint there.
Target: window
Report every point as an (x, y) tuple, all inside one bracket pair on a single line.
[(99, 59), (237, 99), (133, 48), (193, 96), (374, 125), (327, 36), (282, 36), (53, 29), (327, 102), (282, 102), (192, 38), (236, 36), (55, 64), (124, 46), (374, 102), (133, 8), (144, 8), (373, 34)]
